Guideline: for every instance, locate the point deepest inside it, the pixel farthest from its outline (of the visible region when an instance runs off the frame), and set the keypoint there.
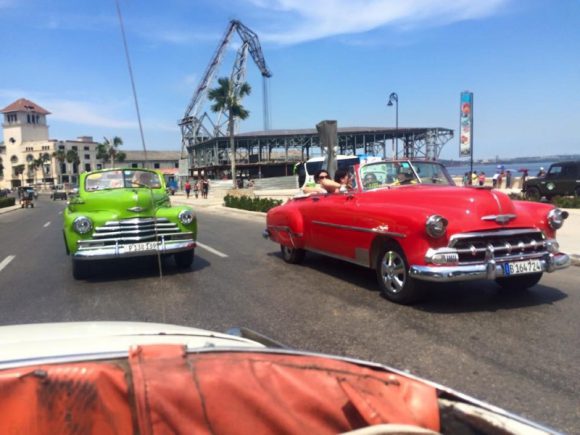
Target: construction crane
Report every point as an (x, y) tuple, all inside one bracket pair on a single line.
[(197, 127)]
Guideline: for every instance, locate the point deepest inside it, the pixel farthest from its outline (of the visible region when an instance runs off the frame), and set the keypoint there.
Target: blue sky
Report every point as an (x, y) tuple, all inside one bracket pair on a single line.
[(330, 59)]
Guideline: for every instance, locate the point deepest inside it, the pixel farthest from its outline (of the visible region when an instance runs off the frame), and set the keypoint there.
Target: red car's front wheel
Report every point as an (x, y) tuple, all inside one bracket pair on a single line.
[(393, 275)]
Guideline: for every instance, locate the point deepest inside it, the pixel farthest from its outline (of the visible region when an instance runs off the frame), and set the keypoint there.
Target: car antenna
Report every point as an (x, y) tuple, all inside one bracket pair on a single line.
[(128, 58)]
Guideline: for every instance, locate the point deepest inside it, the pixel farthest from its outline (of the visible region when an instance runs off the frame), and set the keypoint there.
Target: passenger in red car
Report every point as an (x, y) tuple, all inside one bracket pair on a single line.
[(343, 178), (322, 183)]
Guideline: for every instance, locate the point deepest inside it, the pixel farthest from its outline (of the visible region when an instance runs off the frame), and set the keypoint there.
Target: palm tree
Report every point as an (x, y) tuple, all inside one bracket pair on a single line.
[(227, 96), (37, 163), (73, 158), (19, 170), (109, 149), (60, 156)]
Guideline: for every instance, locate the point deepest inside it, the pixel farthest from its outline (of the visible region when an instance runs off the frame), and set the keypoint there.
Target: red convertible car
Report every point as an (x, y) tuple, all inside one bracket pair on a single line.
[(409, 222)]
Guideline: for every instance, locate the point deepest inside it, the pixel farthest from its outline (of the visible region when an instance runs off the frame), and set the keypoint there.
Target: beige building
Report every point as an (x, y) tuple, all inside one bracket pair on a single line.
[(28, 156)]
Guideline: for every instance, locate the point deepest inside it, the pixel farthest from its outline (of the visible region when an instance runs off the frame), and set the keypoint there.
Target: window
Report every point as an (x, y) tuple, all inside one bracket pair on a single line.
[(134, 165), (11, 118), (74, 147), (156, 165), (87, 167), (29, 148), (87, 156), (13, 159), (86, 148)]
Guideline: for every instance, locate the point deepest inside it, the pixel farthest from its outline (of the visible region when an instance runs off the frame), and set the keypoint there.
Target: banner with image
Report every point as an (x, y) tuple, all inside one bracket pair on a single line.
[(466, 124)]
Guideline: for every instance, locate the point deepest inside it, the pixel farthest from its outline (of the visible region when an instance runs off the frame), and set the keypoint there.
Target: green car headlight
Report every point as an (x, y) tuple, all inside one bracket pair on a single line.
[(82, 225), (186, 217)]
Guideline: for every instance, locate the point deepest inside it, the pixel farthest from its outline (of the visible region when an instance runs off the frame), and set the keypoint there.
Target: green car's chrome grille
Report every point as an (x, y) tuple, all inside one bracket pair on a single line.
[(135, 230)]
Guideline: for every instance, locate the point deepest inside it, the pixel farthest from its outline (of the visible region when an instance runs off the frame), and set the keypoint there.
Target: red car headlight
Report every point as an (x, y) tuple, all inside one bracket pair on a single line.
[(436, 226), (556, 218)]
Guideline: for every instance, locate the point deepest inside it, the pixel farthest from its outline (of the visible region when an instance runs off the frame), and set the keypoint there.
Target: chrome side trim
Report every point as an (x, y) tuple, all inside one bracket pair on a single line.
[(377, 230), (488, 270), (499, 218)]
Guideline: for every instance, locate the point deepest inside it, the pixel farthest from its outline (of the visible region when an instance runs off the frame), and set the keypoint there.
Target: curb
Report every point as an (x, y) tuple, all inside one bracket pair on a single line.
[(9, 209)]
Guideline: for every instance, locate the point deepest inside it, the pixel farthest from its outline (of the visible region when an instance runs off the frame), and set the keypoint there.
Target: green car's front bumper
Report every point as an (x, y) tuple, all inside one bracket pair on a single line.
[(93, 250)]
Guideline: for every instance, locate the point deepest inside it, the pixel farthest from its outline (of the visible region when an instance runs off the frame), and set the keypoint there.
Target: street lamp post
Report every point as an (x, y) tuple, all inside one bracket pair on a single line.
[(394, 97)]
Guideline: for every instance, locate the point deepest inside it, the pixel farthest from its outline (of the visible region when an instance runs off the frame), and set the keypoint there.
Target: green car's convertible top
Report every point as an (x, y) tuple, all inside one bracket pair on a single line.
[(126, 213)]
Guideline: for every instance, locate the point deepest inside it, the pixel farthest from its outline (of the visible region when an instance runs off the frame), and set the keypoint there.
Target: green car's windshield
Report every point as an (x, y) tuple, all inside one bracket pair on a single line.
[(122, 179)]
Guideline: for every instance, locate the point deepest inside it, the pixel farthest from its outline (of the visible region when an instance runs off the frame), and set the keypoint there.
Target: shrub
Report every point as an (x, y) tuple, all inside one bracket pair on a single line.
[(7, 202), (248, 203), (566, 201), (558, 201)]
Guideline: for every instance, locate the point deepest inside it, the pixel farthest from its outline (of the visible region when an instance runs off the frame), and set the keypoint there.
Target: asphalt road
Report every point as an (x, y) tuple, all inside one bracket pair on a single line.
[(518, 351)]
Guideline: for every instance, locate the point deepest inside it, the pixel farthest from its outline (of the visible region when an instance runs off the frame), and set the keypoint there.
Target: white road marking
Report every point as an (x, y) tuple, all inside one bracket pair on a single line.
[(6, 261), (213, 251), (46, 224)]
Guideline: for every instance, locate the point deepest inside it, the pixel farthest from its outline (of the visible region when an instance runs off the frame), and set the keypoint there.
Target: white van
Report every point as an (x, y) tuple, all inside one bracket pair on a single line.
[(305, 171)]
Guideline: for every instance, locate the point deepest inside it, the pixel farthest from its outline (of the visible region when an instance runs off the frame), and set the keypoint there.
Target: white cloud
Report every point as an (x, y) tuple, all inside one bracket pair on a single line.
[(308, 20), (78, 112)]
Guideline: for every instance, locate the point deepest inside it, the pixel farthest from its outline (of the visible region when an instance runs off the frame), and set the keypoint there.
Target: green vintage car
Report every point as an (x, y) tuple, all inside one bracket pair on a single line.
[(122, 213)]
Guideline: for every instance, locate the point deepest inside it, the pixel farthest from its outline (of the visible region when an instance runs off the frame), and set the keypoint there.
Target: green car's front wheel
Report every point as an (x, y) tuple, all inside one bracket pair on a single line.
[(80, 269), (184, 259)]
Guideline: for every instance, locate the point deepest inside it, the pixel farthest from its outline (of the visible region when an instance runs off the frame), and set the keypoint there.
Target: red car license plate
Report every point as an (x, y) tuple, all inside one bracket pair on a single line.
[(522, 267)]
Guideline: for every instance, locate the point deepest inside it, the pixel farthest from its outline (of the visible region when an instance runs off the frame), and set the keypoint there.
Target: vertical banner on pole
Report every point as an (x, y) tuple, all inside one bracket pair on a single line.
[(466, 124)]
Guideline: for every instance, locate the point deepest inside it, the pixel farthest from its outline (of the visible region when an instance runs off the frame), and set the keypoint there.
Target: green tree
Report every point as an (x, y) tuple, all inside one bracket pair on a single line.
[(19, 170), (228, 97), (60, 157), (108, 151), (36, 163), (72, 157)]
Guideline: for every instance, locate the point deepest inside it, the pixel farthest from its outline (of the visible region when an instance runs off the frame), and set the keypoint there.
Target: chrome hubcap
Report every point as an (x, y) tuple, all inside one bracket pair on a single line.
[(393, 272)]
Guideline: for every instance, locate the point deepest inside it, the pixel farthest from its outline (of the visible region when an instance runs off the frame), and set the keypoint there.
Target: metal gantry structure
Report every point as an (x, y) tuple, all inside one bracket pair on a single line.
[(197, 127)]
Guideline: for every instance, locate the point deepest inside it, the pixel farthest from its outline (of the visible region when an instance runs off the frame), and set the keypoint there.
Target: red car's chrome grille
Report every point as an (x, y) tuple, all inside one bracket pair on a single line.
[(134, 230), (503, 244)]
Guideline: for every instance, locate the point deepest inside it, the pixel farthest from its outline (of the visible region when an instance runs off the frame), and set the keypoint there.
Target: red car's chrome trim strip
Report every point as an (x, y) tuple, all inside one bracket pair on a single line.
[(360, 229), (499, 218)]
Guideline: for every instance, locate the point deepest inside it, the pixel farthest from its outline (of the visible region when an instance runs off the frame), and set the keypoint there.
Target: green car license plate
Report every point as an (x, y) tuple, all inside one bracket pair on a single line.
[(522, 267), (140, 247)]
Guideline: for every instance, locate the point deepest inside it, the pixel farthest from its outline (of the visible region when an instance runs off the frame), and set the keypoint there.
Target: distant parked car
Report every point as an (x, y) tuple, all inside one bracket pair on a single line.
[(59, 192), (562, 179)]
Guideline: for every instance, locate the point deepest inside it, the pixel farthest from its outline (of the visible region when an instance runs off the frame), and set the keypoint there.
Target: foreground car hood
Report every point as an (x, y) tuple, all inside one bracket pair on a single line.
[(34, 342), (159, 388)]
